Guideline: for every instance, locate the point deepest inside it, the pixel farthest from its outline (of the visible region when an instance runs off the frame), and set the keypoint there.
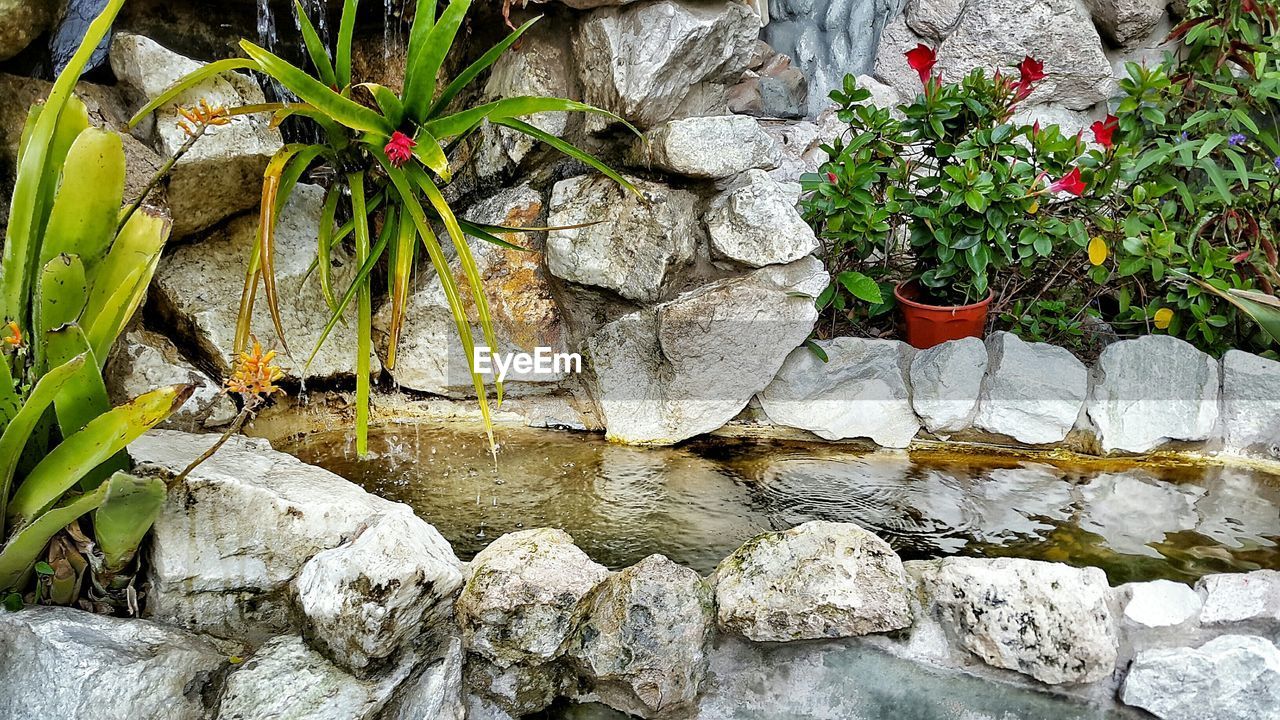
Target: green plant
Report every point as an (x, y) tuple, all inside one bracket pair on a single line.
[(973, 194), (391, 155), (75, 268), (1193, 229)]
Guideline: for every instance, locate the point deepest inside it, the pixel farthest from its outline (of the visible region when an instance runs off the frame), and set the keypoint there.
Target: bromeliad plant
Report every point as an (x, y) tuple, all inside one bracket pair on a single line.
[(75, 268), (390, 154)]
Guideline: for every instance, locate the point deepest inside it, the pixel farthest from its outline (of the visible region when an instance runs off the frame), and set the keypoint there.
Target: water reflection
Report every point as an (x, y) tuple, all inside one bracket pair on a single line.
[(697, 503)]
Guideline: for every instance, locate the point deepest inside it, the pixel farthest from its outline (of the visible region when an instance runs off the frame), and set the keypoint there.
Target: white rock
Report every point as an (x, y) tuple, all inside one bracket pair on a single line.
[(935, 19), (1126, 22), (1033, 391), (1046, 620), (435, 694), (860, 391), (816, 580), (222, 174), (198, 287), (1241, 598), (802, 142), (688, 366), (234, 534), (286, 680), (1070, 122), (755, 222), (521, 593), (1233, 677), (997, 35), (1251, 404), (642, 638), (541, 67), (65, 663), (636, 242), (1151, 390), (143, 361), (1161, 603), (525, 315), (946, 381), (362, 601), (708, 147), (644, 60)]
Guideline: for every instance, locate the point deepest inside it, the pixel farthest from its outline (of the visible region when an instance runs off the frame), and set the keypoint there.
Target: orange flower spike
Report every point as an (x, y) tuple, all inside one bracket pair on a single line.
[(14, 337), (255, 374)]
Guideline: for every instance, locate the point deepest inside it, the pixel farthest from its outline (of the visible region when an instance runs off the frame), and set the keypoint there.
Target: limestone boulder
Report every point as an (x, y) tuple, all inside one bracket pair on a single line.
[(647, 60), (1033, 391), (1232, 677), (707, 147), (435, 693), (143, 361), (1151, 390), (946, 381), (816, 580), (755, 222), (1251, 404), (499, 693), (642, 638), (687, 366), (66, 663), (1160, 603), (1242, 599), (518, 604), (1046, 620), (363, 601), (636, 241), (198, 286), (233, 535), (222, 173), (860, 390), (1127, 22)]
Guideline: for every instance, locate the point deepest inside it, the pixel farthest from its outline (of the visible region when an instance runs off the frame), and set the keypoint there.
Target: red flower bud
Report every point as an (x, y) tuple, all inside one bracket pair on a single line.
[(1241, 257), (1103, 130), (1248, 6), (1070, 183), (399, 149), (922, 59), (832, 178)]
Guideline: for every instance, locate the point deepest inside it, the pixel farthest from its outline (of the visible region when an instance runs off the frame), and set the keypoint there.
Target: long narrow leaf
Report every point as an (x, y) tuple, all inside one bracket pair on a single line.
[(346, 31), (420, 80), (568, 149), (103, 437), (462, 122), (324, 249), (473, 71), (315, 46), (22, 552), (424, 21), (428, 151), (401, 274), (364, 313), (313, 92), (196, 77), (387, 101), (86, 208), (267, 214), (362, 276)]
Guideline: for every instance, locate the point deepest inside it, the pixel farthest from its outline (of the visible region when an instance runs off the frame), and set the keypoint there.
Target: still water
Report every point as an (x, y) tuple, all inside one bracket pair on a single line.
[(698, 502)]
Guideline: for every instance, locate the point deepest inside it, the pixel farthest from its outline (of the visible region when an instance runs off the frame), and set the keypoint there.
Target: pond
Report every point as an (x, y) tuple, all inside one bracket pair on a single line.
[(698, 502)]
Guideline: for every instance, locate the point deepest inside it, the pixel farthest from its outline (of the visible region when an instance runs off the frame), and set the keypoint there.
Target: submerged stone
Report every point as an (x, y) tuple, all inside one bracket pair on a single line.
[(816, 580)]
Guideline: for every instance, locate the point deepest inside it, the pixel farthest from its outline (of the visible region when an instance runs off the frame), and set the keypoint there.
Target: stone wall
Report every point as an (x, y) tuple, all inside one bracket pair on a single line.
[(276, 589)]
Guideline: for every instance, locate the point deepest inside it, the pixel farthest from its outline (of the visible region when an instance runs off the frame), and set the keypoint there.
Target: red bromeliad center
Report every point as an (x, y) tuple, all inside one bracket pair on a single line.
[(399, 149)]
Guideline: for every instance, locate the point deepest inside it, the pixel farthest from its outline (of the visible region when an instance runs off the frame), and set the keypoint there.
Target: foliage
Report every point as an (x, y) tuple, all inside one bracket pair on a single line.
[(1196, 222), (966, 188), (390, 155), (75, 268)]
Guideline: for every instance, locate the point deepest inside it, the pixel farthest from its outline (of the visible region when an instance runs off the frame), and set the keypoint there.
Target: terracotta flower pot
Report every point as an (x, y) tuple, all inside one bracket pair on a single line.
[(929, 325)]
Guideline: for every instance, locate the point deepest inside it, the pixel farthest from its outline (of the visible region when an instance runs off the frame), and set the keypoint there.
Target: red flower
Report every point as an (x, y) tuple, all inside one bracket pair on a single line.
[(400, 148), (1248, 6), (922, 59), (832, 178), (1103, 130), (1032, 72), (1070, 182), (1236, 260)]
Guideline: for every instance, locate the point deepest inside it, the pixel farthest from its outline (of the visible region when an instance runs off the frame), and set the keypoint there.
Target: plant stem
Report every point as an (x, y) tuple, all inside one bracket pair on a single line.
[(251, 404), (160, 175)]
